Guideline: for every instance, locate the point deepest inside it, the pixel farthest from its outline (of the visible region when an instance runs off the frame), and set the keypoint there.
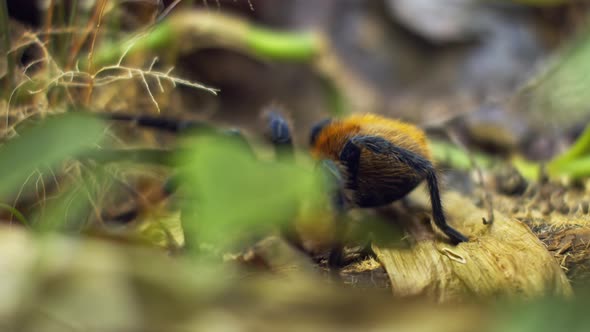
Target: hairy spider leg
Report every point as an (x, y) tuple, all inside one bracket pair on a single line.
[(278, 133), (171, 125)]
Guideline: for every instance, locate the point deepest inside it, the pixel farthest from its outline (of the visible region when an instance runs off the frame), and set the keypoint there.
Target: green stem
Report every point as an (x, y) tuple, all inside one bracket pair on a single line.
[(453, 156), (574, 169), (573, 163), (190, 30), (336, 100), (282, 45), (579, 149), (530, 170), (16, 213)]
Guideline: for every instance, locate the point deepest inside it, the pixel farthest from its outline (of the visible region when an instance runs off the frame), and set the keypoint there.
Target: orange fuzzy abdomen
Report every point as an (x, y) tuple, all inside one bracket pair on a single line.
[(333, 138)]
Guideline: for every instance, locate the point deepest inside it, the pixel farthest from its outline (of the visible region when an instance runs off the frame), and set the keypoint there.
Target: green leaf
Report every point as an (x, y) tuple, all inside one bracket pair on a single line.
[(233, 196), (45, 144)]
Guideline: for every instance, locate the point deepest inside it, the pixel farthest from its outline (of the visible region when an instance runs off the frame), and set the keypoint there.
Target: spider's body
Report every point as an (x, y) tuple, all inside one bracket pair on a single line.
[(373, 178), (381, 161)]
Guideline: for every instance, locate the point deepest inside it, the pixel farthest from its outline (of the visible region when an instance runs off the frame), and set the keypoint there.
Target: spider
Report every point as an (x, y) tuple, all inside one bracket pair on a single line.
[(376, 160)]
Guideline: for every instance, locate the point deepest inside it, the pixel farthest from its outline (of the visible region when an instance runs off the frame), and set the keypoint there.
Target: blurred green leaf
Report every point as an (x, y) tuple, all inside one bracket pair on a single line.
[(45, 144), (543, 315), (232, 195), (557, 94)]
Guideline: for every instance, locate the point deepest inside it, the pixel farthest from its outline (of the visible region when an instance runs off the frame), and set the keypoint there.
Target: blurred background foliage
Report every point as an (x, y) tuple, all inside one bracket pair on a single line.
[(91, 241)]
